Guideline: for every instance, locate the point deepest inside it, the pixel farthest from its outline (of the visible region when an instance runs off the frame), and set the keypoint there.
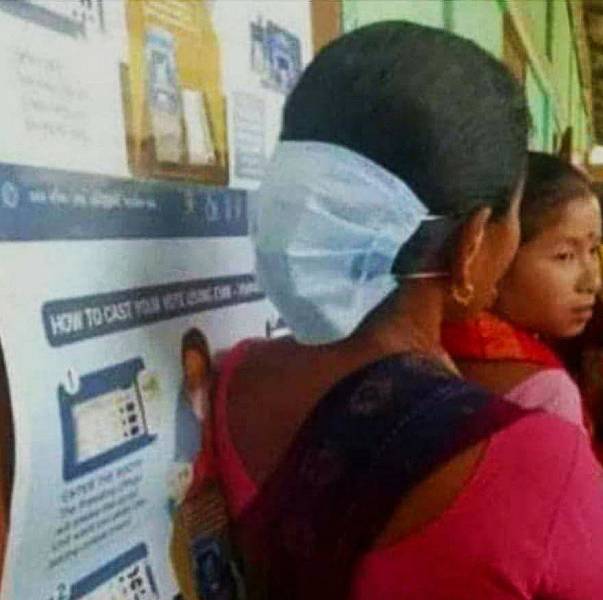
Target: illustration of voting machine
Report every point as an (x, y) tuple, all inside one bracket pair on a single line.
[(111, 413), (128, 577)]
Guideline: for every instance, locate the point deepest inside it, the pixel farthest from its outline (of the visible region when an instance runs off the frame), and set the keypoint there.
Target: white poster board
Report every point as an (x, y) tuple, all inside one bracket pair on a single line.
[(103, 276)]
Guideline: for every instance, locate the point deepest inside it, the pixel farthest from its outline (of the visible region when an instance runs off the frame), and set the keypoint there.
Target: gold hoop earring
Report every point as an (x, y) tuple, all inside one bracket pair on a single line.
[(463, 295)]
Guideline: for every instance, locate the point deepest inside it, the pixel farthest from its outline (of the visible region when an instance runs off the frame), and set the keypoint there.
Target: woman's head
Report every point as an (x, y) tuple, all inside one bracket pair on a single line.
[(433, 109), (196, 360), (440, 114), (552, 283)]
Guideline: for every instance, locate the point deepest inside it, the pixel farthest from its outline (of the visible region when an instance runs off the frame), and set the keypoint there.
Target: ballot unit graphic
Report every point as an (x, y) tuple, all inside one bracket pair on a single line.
[(111, 414)]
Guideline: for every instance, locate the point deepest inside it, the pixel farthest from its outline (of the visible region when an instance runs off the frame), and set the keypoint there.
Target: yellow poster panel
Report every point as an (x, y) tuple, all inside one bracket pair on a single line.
[(173, 98)]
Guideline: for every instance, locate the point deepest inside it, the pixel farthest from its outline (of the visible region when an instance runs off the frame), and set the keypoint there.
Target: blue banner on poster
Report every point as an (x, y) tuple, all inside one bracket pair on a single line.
[(45, 204), (75, 319)]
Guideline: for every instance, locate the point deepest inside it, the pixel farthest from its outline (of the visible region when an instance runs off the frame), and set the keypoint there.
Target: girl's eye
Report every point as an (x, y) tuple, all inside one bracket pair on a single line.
[(564, 256)]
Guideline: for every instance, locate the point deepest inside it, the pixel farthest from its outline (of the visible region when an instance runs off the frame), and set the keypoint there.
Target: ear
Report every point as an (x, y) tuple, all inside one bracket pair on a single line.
[(469, 246)]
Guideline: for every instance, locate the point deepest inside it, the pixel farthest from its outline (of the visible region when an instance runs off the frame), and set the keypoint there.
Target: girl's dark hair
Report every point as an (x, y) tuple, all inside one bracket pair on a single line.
[(195, 340), (432, 108), (550, 183)]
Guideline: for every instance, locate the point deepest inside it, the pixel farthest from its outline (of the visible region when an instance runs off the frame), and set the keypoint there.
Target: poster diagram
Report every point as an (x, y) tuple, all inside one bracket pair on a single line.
[(247, 122), (176, 123), (128, 577), (275, 55), (70, 17), (263, 52), (106, 419), (165, 102)]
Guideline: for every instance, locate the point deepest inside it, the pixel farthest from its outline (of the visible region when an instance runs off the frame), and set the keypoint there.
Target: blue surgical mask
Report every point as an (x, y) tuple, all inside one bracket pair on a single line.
[(328, 226)]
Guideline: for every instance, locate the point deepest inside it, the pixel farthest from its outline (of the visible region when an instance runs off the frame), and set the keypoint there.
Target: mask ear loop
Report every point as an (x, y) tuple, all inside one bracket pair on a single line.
[(426, 275), (423, 255)]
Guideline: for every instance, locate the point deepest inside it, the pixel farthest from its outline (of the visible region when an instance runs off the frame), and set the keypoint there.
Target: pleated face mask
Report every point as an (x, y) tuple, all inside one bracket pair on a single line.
[(329, 229)]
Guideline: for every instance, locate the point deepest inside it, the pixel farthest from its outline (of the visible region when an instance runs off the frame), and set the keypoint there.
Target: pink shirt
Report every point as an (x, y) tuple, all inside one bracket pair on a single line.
[(551, 390), (528, 524)]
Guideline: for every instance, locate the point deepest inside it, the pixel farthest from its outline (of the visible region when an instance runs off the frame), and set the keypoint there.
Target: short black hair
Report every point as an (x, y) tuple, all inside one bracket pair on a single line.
[(551, 182), (195, 340), (433, 108)]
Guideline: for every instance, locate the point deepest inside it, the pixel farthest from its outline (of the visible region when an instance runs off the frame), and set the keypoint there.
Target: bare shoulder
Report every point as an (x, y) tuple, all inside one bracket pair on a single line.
[(499, 377), (427, 501), (270, 394)]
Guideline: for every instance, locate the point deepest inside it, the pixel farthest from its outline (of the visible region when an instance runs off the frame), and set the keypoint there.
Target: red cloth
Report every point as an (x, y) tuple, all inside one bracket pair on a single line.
[(487, 337), (490, 338)]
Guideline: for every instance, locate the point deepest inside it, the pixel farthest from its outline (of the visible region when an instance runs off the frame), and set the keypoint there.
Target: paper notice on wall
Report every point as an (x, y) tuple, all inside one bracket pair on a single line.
[(199, 143), (61, 101), (247, 130), (264, 50)]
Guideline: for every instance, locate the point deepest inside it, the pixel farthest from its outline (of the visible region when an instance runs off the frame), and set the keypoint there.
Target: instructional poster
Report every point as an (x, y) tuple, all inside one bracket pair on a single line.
[(127, 267), (106, 281)]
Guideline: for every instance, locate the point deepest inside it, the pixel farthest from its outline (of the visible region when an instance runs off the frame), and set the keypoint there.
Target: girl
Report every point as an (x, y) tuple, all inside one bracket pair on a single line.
[(355, 460), (548, 293)]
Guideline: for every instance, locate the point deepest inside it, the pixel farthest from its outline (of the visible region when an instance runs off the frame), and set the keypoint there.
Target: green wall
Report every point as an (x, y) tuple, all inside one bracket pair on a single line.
[(362, 12), (538, 101), (553, 92), (537, 11), (479, 21)]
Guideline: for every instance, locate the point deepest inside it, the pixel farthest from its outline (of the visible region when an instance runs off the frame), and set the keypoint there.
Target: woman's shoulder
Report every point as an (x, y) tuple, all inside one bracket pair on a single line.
[(521, 473), (538, 438), (555, 481), (532, 465), (531, 511)]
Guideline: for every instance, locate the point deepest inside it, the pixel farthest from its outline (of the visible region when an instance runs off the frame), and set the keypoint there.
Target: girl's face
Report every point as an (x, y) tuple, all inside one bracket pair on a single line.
[(553, 281)]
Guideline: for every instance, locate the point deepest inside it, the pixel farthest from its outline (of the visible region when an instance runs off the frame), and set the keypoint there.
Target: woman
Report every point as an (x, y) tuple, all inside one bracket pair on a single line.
[(354, 459), (191, 411), (547, 295)]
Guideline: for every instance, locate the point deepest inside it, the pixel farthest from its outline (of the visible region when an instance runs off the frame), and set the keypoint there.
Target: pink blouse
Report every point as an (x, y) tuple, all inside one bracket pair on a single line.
[(550, 390), (528, 524)]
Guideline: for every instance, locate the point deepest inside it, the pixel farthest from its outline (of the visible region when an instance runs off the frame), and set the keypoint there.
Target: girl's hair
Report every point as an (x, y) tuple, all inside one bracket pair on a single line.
[(196, 341), (550, 183), (432, 108)]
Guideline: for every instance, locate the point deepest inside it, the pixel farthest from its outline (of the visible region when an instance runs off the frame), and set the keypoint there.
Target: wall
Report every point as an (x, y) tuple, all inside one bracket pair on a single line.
[(552, 81)]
